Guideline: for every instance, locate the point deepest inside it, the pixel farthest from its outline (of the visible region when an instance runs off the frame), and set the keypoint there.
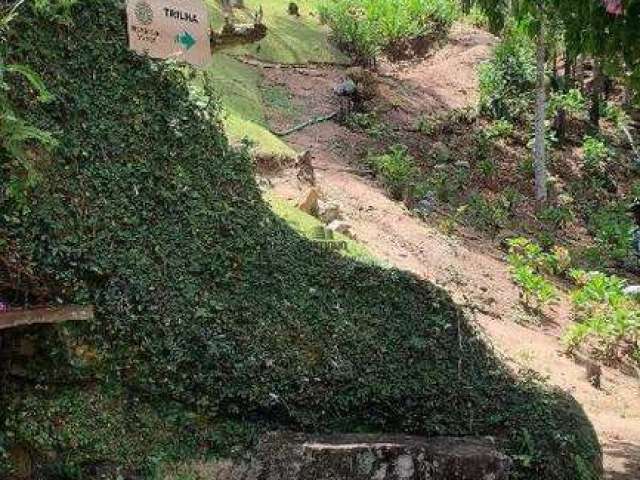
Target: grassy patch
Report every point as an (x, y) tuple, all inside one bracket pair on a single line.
[(239, 88), (306, 225), (290, 39)]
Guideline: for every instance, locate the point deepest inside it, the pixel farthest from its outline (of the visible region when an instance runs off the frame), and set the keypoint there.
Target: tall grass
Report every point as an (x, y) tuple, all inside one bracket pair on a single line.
[(365, 27)]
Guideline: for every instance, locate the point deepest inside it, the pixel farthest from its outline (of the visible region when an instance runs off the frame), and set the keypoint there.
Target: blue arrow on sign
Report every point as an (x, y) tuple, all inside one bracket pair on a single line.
[(186, 40)]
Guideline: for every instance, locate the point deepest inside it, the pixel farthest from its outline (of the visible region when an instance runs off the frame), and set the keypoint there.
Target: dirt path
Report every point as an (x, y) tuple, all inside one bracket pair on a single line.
[(471, 269)]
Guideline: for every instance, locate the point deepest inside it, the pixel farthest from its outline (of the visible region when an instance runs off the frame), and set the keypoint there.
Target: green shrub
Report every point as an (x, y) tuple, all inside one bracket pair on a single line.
[(605, 315), (425, 125), (477, 17), (448, 182), (368, 123), (530, 264), (615, 114), (498, 129), (365, 27), (507, 80), (572, 102), (16, 135), (612, 229), (557, 216), (214, 320), (487, 167), (596, 153), (487, 213), (396, 169), (523, 251), (536, 290)]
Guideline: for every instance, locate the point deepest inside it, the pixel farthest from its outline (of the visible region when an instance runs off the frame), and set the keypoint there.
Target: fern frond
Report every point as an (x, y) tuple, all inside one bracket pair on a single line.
[(34, 80)]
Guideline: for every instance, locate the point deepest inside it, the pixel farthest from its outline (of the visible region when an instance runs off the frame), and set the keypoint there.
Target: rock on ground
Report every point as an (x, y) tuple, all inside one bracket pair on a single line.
[(291, 456), (340, 226), (308, 203)]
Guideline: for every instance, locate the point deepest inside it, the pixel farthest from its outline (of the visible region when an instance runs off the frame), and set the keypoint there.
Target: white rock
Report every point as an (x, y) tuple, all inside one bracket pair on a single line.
[(340, 226), (632, 290), (328, 212)]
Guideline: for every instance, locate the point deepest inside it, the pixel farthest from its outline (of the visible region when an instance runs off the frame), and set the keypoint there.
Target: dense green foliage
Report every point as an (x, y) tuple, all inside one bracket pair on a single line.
[(586, 27), (529, 263), (367, 27), (15, 134), (607, 318), (396, 169), (210, 311), (507, 81)]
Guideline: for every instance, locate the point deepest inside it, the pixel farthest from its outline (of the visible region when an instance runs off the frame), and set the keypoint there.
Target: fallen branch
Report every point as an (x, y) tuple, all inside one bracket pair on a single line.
[(46, 315), (355, 171), (262, 64), (306, 124)]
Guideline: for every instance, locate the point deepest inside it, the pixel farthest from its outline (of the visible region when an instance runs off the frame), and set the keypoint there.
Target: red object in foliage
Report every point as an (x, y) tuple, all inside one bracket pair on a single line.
[(614, 7)]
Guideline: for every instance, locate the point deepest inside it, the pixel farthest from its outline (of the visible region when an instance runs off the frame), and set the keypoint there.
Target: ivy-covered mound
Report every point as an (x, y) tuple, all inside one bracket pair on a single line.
[(213, 317)]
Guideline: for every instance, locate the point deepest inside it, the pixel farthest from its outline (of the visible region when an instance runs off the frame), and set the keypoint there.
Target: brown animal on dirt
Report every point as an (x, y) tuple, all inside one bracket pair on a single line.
[(306, 174), (594, 373), (293, 9)]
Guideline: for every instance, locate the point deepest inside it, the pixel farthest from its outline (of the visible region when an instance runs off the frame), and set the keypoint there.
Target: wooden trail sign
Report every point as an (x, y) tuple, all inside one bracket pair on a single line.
[(177, 29)]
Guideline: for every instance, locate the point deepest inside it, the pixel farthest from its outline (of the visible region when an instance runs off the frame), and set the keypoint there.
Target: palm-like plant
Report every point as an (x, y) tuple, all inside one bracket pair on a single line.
[(16, 135)]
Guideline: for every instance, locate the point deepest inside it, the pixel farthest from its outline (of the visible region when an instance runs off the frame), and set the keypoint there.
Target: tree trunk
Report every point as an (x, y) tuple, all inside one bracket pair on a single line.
[(596, 94), (539, 162), (569, 62), (579, 73)]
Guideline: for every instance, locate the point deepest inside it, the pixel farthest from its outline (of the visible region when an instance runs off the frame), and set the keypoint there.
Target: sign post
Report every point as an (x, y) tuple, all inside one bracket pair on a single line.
[(177, 29)]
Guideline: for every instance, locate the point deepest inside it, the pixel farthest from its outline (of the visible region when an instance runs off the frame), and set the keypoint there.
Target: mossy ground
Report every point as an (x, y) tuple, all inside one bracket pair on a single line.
[(214, 320), (307, 226), (244, 106), (291, 40)]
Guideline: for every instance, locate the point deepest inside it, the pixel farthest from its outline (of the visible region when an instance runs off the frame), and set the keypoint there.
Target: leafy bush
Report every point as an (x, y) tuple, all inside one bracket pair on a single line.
[(595, 153), (615, 114), (365, 27), (477, 17), (487, 213), (523, 251), (606, 316), (536, 290), (612, 229), (529, 264), (507, 81), (396, 169), (17, 136), (498, 129), (572, 102), (557, 217), (368, 123), (209, 303), (448, 181)]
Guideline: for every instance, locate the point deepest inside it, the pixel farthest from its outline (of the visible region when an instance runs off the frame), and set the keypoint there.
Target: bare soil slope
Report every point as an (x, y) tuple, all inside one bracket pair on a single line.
[(473, 270)]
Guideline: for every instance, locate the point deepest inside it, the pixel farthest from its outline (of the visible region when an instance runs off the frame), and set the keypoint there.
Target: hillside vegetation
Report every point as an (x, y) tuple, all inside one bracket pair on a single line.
[(214, 320)]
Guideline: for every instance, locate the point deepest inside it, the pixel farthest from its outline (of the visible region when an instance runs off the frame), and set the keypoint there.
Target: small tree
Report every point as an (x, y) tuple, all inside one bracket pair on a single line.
[(539, 150), (606, 30)]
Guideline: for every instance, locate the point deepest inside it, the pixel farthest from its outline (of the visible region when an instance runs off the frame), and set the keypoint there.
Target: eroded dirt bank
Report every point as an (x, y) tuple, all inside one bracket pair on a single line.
[(470, 267)]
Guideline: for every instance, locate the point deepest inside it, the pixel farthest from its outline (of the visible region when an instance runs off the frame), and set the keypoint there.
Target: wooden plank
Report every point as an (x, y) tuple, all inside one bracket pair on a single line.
[(46, 315)]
